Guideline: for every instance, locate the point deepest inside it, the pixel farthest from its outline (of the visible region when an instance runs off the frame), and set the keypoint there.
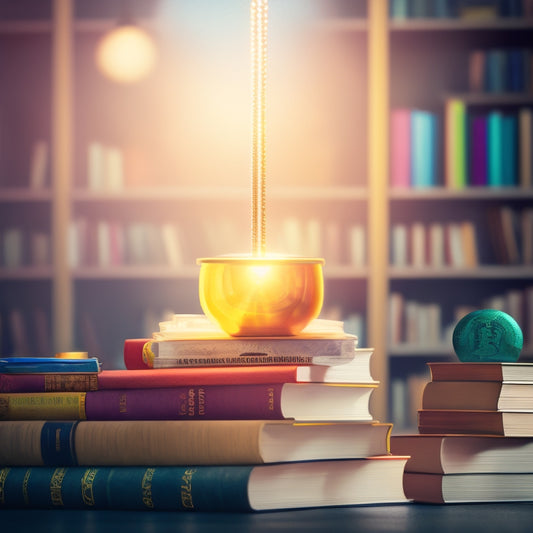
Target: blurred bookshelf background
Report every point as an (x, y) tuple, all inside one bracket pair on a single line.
[(399, 149)]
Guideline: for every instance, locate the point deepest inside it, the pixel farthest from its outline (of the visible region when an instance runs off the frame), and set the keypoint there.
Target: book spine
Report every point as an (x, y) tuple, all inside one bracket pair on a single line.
[(217, 402), (171, 488), (48, 382), (42, 406), (401, 148)]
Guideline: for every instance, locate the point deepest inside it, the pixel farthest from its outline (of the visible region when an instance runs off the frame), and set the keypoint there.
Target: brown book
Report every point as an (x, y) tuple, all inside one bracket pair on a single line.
[(464, 454), (509, 424), (504, 371), (479, 395)]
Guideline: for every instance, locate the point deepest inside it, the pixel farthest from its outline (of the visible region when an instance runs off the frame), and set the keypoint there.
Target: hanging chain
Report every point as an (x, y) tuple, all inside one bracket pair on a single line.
[(259, 26)]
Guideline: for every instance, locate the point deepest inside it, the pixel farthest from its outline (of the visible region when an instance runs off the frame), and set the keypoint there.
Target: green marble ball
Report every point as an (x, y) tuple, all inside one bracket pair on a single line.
[(487, 335)]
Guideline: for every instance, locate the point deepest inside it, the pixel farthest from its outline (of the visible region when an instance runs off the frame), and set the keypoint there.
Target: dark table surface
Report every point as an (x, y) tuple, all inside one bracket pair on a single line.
[(412, 518)]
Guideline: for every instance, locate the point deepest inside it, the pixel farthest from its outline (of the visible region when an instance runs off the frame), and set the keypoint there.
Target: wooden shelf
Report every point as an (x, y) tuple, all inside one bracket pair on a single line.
[(26, 273), (24, 195), (466, 194), (170, 194), (459, 25), (481, 272)]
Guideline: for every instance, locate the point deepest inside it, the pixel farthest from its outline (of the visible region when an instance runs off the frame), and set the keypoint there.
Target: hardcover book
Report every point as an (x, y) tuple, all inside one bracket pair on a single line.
[(299, 401), (478, 395), (464, 454), (504, 371), (230, 488), (174, 442), (507, 423)]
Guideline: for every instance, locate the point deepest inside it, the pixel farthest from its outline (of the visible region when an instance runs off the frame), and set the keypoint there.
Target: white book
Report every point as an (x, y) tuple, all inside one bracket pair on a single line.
[(400, 245), (114, 169), (357, 245), (437, 254), (455, 245), (172, 244), (313, 238)]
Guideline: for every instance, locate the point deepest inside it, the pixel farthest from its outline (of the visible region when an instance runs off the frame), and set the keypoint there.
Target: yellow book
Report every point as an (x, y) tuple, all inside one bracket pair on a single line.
[(65, 405)]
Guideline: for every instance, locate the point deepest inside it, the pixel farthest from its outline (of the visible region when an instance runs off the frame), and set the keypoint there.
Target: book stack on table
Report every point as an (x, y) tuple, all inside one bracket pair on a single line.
[(204, 422), (475, 441)]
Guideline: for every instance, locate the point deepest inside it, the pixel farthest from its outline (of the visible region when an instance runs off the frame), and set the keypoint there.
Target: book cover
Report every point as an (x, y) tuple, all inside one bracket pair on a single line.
[(177, 442), (510, 150), (423, 149), (230, 488), (299, 401)]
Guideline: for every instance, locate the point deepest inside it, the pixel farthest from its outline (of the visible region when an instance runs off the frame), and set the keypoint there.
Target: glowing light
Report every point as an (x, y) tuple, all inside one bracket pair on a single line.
[(126, 54)]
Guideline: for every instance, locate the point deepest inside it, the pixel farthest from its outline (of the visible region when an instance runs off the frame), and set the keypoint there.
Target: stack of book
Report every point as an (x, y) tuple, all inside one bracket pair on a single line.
[(475, 441), (213, 424)]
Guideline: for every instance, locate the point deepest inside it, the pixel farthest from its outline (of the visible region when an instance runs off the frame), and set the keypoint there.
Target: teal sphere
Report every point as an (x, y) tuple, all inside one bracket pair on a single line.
[(487, 335)]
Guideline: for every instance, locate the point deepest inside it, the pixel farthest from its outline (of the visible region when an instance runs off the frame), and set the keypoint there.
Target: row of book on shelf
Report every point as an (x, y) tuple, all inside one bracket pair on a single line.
[(461, 147), (425, 325), (460, 9), (199, 421), (500, 70), (107, 243), (505, 239)]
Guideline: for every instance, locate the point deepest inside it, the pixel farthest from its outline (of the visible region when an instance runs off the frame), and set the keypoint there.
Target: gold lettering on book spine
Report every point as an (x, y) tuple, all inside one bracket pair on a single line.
[(3, 476), (25, 485), (56, 484), (146, 486), (87, 486), (186, 488)]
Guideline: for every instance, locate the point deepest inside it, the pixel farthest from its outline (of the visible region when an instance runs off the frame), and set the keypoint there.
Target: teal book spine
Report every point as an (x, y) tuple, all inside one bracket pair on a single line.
[(169, 488), (510, 150), (495, 148)]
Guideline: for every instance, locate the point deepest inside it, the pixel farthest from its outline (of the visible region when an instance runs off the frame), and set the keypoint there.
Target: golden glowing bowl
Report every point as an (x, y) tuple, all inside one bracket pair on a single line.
[(261, 296)]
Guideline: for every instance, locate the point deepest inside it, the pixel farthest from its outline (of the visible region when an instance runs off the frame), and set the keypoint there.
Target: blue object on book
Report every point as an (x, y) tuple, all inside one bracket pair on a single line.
[(39, 365)]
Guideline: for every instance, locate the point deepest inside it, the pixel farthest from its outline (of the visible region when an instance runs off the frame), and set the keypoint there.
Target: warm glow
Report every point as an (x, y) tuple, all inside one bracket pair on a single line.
[(126, 54), (260, 296)]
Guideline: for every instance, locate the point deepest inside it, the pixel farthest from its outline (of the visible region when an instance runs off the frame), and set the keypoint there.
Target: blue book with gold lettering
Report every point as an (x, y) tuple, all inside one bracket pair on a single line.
[(234, 488)]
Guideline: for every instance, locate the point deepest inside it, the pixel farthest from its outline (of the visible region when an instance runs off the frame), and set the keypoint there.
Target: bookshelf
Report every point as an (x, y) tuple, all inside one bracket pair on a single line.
[(329, 161)]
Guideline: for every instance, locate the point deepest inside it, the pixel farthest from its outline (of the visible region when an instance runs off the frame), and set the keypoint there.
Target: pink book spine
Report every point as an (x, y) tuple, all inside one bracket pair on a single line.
[(400, 170), (216, 402)]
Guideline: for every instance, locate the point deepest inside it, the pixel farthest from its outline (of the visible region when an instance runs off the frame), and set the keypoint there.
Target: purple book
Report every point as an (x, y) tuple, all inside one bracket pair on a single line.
[(478, 161), (182, 403)]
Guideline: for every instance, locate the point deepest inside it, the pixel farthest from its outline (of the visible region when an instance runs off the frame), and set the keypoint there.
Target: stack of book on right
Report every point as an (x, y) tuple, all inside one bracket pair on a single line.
[(475, 440)]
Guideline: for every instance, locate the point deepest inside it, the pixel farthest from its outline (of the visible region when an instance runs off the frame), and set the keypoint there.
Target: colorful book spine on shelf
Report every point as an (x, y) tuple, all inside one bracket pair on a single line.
[(414, 148), (277, 401), (401, 148), (478, 158), (455, 146)]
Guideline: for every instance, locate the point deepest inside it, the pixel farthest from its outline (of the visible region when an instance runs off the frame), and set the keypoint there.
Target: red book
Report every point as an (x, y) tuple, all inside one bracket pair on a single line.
[(400, 148), (355, 371)]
